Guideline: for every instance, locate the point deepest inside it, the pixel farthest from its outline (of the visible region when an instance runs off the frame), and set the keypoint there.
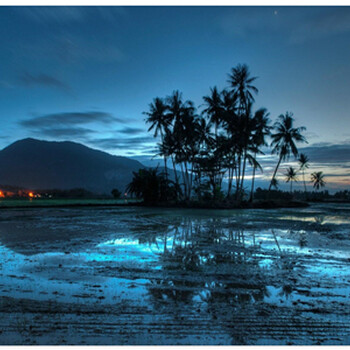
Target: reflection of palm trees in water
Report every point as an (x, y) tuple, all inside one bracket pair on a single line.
[(214, 264), (209, 266)]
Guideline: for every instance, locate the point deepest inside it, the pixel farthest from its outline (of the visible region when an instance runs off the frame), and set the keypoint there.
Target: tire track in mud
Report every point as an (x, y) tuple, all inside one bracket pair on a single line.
[(125, 323)]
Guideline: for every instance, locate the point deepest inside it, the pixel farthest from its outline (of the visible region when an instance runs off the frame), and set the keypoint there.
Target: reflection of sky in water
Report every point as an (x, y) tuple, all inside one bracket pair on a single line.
[(330, 219), (199, 261)]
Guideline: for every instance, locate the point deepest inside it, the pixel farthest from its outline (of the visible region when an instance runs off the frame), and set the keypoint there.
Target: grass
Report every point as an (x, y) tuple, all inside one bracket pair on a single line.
[(20, 203)]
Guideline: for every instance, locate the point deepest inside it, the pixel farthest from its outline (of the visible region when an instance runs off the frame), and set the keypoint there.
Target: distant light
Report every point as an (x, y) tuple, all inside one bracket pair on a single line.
[(2, 194), (31, 194)]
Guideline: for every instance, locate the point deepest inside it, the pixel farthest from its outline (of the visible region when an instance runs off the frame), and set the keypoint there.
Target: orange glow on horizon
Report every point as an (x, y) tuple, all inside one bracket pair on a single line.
[(2, 194), (31, 194)]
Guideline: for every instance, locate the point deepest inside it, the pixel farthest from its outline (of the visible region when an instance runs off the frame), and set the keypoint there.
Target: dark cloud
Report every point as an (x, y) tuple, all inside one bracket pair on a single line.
[(69, 119), (134, 143), (131, 131), (336, 175), (328, 153), (66, 125), (66, 132), (319, 154), (43, 80)]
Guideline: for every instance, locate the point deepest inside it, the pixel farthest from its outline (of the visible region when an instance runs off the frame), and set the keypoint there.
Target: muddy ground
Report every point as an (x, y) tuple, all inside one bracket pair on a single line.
[(171, 276)]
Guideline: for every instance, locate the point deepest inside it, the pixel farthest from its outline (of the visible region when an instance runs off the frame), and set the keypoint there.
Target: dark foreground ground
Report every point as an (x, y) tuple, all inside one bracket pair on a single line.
[(129, 275)]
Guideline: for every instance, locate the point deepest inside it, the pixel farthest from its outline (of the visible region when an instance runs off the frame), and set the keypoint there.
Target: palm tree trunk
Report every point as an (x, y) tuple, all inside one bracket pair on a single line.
[(187, 179), (253, 180), (175, 172), (274, 174), (230, 175), (191, 178), (238, 180), (243, 170), (165, 163), (183, 178)]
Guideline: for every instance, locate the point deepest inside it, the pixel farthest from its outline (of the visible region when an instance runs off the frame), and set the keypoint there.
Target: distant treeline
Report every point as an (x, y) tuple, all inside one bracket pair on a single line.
[(12, 192), (321, 196)]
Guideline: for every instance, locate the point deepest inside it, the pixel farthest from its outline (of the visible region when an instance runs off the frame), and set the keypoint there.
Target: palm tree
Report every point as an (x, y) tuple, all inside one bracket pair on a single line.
[(283, 141), (160, 122), (241, 84), (151, 186), (318, 179), (262, 129), (304, 164), (214, 108), (242, 89), (168, 148), (275, 183), (182, 116), (291, 176)]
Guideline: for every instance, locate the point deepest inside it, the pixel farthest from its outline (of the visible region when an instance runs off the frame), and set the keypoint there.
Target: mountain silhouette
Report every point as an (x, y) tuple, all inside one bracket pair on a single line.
[(35, 164)]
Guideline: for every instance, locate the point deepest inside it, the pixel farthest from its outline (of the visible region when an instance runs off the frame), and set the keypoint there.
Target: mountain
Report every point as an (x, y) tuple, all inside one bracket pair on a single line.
[(35, 164)]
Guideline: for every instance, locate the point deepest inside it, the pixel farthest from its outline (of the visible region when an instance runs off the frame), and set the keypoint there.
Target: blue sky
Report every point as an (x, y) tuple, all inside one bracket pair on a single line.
[(86, 74)]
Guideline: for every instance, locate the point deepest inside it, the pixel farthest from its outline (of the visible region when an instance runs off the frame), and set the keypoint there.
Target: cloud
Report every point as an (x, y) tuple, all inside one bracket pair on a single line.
[(131, 143), (328, 153), (71, 124), (65, 132), (43, 80), (131, 131), (70, 118)]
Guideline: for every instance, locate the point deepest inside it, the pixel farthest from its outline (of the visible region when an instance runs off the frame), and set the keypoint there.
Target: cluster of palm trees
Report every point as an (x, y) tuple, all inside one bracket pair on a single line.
[(223, 140), (317, 178)]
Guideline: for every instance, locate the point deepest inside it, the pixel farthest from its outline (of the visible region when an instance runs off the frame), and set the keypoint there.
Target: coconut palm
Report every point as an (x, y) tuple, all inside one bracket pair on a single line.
[(275, 183), (241, 84), (160, 122), (214, 108), (283, 141), (318, 179), (262, 129), (304, 164), (291, 175)]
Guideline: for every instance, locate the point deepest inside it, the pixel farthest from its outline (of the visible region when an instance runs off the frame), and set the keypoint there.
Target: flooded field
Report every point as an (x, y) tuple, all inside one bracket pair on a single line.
[(169, 276)]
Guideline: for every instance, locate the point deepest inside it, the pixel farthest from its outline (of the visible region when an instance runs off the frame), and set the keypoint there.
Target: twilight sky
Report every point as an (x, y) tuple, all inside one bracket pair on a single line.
[(86, 74)]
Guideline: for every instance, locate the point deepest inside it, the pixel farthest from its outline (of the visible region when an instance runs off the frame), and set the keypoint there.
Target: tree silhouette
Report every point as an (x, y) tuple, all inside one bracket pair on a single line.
[(318, 179), (223, 140), (151, 186), (160, 122), (262, 130), (284, 139), (241, 85), (291, 175), (215, 109), (304, 164)]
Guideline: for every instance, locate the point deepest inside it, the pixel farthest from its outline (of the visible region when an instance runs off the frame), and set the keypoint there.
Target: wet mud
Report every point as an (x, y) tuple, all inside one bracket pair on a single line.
[(170, 276)]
